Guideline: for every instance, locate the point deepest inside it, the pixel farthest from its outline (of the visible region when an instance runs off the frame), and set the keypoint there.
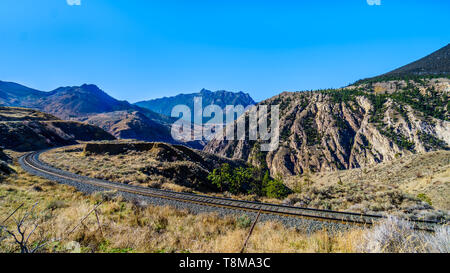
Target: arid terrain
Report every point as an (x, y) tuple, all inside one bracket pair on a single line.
[(378, 146), (127, 227), (416, 185), (156, 165), (366, 123)]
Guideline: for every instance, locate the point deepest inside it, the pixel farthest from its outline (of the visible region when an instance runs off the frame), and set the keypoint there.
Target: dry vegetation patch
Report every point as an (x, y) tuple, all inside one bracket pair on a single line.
[(128, 227), (132, 227), (415, 185), (157, 165)]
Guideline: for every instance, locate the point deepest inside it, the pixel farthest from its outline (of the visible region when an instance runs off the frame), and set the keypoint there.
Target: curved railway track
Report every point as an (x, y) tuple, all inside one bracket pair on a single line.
[(31, 163)]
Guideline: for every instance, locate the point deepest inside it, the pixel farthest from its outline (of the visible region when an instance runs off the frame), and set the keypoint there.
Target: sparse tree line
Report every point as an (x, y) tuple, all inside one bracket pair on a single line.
[(251, 180)]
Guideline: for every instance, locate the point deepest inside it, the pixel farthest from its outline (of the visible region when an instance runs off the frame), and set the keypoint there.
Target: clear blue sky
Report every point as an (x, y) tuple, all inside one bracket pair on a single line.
[(137, 50)]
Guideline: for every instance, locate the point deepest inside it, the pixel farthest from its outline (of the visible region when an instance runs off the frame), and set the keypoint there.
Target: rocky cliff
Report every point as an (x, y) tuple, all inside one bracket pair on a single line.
[(369, 122)]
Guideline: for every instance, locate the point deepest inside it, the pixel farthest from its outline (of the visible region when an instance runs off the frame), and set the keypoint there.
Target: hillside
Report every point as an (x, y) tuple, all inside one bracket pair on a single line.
[(3, 156), (63, 102), (388, 186), (221, 98), (130, 124), (434, 64), (13, 94), (24, 129), (351, 127)]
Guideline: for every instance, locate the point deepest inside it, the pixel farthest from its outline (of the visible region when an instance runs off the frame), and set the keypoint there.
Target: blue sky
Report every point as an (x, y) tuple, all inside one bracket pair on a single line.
[(137, 50)]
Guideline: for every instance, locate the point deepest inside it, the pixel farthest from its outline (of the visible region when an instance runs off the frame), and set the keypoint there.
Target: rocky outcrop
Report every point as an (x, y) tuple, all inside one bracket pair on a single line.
[(352, 127)]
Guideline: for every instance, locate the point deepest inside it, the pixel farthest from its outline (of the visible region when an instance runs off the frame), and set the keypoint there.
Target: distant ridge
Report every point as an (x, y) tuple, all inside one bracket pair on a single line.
[(436, 63)]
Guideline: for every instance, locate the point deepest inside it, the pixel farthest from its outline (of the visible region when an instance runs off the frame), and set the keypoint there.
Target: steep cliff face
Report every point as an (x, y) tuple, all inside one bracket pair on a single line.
[(367, 123)]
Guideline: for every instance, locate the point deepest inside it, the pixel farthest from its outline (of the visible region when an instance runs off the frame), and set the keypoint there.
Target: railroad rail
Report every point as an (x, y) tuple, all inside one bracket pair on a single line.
[(32, 162)]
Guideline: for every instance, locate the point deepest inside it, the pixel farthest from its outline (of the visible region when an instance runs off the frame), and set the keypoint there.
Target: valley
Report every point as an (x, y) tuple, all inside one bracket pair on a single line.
[(379, 147)]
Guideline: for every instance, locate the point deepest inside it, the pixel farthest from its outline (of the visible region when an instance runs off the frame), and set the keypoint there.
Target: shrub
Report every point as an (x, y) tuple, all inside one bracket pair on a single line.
[(160, 223), (243, 221), (394, 235), (56, 204), (425, 198), (221, 177), (235, 180), (5, 169), (440, 241), (276, 189)]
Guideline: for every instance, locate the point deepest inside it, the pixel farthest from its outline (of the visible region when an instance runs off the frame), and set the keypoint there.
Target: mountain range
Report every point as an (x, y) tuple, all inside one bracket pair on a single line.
[(221, 98), (88, 103)]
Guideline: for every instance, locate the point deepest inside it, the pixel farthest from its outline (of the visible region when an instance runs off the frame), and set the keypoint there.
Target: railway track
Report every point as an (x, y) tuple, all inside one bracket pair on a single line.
[(31, 163)]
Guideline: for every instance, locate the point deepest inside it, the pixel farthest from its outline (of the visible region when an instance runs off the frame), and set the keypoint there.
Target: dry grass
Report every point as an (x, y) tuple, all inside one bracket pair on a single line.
[(19, 114), (128, 227), (417, 185), (155, 168)]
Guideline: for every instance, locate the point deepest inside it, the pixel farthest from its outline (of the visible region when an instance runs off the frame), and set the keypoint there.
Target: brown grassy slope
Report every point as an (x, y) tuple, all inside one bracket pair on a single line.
[(388, 187), (161, 165), (22, 114), (401, 184), (25, 130), (130, 228)]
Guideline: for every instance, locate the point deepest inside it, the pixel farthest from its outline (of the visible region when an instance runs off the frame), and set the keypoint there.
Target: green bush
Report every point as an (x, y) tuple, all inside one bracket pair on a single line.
[(276, 189), (247, 180), (425, 198), (234, 180)]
